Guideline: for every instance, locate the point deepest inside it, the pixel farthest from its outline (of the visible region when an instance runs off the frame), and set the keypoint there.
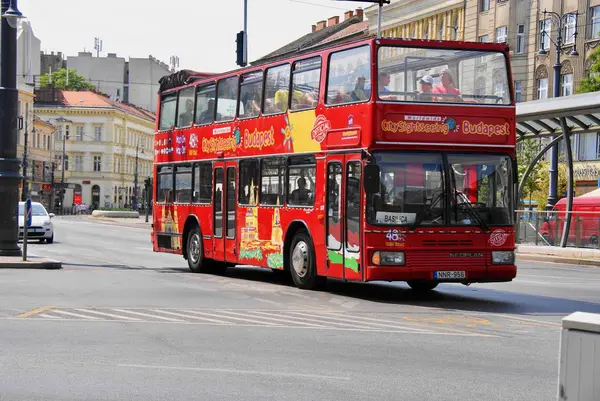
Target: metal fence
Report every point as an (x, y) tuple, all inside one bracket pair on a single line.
[(545, 228)]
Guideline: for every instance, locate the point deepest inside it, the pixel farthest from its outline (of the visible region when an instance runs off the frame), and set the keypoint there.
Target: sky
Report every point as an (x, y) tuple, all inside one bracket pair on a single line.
[(200, 32)]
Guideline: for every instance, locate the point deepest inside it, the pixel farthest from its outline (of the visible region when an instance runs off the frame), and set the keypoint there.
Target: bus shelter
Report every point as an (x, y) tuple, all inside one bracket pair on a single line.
[(558, 118)]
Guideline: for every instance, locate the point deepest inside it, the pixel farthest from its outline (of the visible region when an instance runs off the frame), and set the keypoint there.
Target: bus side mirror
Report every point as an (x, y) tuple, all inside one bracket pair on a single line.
[(371, 179)]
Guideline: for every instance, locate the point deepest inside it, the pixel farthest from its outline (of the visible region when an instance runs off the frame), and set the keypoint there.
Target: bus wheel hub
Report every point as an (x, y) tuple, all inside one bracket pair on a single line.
[(300, 259)]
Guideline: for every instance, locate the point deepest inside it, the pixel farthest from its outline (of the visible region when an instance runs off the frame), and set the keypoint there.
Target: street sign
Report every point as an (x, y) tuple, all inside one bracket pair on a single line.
[(28, 213)]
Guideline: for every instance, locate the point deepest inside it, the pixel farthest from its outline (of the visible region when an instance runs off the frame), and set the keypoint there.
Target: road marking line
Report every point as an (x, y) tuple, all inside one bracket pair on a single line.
[(239, 371), (190, 316), (549, 324), (108, 315), (62, 312), (582, 279), (148, 315), (373, 322), (36, 311), (323, 319), (231, 317), (49, 316), (268, 317)]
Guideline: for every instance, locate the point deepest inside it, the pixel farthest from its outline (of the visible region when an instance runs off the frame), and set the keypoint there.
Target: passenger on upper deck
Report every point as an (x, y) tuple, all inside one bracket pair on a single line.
[(447, 88), (185, 118), (426, 87), (383, 82)]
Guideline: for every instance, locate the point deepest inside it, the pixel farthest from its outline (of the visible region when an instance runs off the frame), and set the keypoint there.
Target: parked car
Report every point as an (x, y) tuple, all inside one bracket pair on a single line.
[(41, 223)]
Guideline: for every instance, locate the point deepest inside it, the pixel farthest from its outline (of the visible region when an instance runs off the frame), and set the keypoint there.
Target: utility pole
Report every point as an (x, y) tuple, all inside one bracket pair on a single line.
[(25, 184), (9, 162), (135, 178), (52, 186)]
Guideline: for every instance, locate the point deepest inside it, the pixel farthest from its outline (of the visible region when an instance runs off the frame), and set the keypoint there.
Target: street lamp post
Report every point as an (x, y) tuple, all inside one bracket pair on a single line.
[(9, 163), (62, 162), (562, 22), (135, 178)]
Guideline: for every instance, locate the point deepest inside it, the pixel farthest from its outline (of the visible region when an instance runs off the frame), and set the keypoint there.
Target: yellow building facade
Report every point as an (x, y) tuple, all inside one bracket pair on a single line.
[(420, 19)]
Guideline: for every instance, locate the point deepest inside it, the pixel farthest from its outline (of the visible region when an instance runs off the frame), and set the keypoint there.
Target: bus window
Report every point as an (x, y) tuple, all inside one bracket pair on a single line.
[(202, 183), (248, 182), (183, 184), (164, 189), (272, 181), (230, 204), (277, 86), (250, 94), (353, 191), (185, 107), (218, 205), (349, 75), (306, 77), (168, 106), (301, 181), (205, 104), (226, 99)]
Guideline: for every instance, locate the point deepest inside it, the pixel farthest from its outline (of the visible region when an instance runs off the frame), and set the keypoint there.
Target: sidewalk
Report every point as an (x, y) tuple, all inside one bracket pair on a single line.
[(140, 222), (576, 256), (33, 262)]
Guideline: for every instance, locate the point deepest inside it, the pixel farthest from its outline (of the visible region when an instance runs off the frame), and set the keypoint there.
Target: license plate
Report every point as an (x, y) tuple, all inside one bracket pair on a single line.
[(450, 275)]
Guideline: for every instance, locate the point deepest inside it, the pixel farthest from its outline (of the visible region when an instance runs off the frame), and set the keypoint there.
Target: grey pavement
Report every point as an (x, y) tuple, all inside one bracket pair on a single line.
[(120, 322)]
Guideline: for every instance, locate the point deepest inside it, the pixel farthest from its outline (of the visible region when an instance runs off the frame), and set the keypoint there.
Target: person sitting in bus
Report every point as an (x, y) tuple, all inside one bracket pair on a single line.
[(300, 195), (426, 88), (359, 93), (206, 117), (446, 87), (186, 118), (383, 82), (281, 98)]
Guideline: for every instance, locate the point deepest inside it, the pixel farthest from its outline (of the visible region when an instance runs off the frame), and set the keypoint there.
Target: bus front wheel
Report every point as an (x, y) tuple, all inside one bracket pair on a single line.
[(302, 263), (422, 286), (195, 252)]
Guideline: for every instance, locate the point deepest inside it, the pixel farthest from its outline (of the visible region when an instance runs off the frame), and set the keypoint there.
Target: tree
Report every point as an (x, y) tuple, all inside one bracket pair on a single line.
[(592, 82), (529, 149), (59, 80), (541, 195)]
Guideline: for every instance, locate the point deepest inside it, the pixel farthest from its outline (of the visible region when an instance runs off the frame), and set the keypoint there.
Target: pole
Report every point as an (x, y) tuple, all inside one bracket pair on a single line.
[(52, 186), (379, 19), (245, 31), (62, 175), (552, 195), (135, 179), (25, 185), (147, 202), (9, 163)]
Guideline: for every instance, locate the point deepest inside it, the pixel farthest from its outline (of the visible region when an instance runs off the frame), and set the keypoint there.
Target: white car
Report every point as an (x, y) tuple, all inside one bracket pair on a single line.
[(41, 228)]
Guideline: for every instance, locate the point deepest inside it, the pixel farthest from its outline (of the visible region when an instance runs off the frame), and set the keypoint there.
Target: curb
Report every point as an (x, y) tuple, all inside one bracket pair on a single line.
[(558, 259), (44, 264)]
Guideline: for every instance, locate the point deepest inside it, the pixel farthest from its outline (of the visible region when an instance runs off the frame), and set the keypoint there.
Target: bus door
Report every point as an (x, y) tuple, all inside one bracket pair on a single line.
[(218, 223), (230, 205), (344, 217)]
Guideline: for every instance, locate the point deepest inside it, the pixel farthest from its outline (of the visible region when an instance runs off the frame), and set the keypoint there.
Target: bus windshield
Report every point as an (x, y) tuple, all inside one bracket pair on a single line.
[(415, 186), (408, 74)]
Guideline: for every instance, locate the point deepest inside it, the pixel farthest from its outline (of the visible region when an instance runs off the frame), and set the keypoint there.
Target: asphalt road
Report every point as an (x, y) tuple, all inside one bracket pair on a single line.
[(119, 322)]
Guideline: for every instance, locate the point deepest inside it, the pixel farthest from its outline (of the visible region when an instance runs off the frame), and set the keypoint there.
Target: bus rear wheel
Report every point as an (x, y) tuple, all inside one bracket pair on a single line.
[(422, 286), (302, 263), (195, 252)]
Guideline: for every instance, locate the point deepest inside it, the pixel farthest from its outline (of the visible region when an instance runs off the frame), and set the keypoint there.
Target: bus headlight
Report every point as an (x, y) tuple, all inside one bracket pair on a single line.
[(503, 257), (388, 258)]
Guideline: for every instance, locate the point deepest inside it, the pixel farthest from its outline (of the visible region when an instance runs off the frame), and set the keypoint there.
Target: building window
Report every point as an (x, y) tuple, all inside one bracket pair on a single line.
[(520, 39), (570, 28), (455, 28), (566, 82), (98, 134), (518, 92), (66, 162), (441, 31), (542, 88), (501, 32), (484, 5), (78, 163), (545, 29), (595, 22), (79, 134), (97, 163)]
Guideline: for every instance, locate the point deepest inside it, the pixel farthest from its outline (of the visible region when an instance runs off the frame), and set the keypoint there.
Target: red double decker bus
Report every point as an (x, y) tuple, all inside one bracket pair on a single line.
[(391, 160)]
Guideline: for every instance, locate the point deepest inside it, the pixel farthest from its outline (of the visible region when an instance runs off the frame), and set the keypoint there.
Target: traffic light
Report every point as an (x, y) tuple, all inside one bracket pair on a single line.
[(241, 57)]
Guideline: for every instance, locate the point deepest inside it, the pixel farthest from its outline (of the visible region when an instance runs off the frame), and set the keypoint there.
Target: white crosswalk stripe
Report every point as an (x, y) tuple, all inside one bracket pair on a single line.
[(340, 320)]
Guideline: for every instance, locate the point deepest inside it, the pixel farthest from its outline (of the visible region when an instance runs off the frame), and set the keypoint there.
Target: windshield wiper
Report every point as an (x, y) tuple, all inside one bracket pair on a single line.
[(472, 212)]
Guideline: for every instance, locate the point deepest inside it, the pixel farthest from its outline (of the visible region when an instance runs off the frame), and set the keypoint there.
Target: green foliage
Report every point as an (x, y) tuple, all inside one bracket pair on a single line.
[(541, 195), (592, 83), (529, 149), (59, 81)]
